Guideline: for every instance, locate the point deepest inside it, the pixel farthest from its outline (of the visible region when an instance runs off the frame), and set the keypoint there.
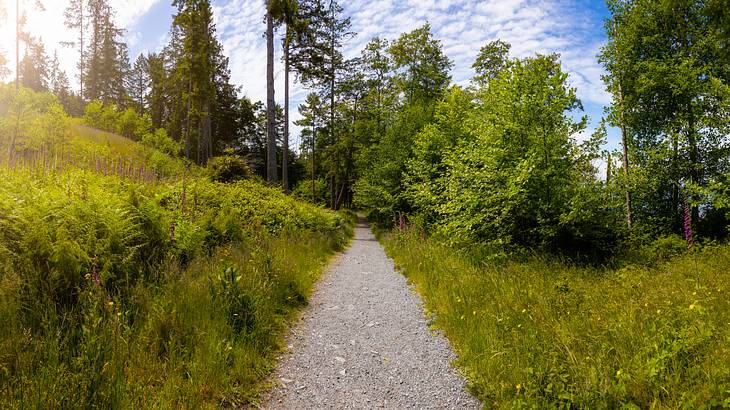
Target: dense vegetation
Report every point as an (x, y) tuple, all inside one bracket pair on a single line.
[(130, 279), (538, 333), (558, 286)]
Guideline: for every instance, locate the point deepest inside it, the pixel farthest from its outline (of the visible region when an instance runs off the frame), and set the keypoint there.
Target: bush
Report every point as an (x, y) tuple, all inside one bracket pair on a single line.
[(160, 141), (228, 168), (108, 118)]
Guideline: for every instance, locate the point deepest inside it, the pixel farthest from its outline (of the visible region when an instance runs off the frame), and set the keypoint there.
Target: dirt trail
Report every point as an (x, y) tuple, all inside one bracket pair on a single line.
[(364, 343)]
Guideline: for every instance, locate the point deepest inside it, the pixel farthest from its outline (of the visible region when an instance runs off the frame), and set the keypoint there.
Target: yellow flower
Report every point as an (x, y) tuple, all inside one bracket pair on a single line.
[(110, 303), (462, 317)]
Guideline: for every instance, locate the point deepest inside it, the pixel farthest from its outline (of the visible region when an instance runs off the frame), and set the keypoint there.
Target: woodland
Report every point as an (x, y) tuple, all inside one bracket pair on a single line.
[(159, 232)]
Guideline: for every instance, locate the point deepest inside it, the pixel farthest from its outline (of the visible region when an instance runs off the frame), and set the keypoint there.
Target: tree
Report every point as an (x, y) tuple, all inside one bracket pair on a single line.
[(270, 109), (59, 86), (74, 20), (107, 61), (34, 71), (286, 12), (139, 83), (492, 59), (670, 85), (313, 114), (422, 68)]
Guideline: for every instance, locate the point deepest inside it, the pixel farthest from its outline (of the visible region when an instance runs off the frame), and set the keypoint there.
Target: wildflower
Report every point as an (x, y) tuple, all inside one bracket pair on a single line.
[(110, 303), (94, 272), (687, 226)]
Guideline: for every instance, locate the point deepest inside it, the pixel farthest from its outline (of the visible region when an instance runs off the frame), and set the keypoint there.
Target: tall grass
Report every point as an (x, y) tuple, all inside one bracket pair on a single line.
[(540, 334), (117, 293)]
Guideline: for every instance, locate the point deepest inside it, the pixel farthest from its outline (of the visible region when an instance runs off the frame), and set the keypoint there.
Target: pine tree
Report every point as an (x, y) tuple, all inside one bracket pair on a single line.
[(75, 20), (139, 83), (34, 72)]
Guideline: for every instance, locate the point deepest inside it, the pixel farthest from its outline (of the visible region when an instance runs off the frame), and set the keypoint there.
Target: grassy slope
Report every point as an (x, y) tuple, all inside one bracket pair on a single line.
[(113, 295), (547, 335)]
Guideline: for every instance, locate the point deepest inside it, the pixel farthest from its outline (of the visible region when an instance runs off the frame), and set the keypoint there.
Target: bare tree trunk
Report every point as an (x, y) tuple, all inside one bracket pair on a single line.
[(17, 45), (187, 127), (270, 109), (81, 61), (285, 155), (624, 142), (314, 137)]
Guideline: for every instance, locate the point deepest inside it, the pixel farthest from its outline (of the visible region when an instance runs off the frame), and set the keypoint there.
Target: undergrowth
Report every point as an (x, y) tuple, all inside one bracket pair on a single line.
[(543, 334), (122, 293)]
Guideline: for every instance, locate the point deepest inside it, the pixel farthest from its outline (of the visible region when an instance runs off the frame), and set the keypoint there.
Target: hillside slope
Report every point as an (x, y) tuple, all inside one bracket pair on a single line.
[(126, 283)]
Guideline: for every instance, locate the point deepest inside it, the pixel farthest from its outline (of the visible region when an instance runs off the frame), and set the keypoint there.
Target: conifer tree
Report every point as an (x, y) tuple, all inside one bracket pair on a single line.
[(75, 20)]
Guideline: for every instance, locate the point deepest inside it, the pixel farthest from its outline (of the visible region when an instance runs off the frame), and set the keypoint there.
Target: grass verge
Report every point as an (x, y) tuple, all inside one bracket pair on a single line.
[(540, 334)]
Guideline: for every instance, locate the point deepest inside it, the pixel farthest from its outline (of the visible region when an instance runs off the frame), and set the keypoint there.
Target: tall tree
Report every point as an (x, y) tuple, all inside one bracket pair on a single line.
[(492, 59), (74, 20), (286, 12), (34, 70), (270, 109), (138, 84), (197, 82), (107, 58), (421, 65), (670, 83)]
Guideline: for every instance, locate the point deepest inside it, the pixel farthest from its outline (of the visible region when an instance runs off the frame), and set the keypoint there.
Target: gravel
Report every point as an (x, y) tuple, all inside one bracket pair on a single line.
[(365, 343)]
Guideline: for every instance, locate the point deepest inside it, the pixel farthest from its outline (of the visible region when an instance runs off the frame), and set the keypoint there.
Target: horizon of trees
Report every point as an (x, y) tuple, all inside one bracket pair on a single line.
[(495, 162)]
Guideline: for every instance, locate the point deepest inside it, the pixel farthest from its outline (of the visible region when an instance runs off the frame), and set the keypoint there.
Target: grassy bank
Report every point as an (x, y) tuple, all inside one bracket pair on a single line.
[(126, 292), (541, 334)]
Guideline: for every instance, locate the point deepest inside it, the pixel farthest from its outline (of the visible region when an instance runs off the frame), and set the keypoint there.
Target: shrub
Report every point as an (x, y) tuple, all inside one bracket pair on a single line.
[(228, 168)]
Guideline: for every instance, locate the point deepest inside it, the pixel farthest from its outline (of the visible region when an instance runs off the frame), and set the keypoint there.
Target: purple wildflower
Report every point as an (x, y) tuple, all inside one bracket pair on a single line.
[(95, 273), (687, 225)]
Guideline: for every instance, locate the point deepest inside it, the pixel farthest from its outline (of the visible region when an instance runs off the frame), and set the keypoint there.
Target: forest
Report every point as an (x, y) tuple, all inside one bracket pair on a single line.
[(159, 232)]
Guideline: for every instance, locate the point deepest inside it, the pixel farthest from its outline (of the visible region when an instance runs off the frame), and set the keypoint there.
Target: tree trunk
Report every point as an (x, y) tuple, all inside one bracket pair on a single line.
[(81, 52), (314, 136), (693, 159), (17, 45), (624, 143), (270, 109), (285, 154), (187, 126)]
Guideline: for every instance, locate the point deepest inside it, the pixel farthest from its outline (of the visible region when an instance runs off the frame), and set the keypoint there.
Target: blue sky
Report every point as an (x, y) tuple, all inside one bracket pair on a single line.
[(572, 28)]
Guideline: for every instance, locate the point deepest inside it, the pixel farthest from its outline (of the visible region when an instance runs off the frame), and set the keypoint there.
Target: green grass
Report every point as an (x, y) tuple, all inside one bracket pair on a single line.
[(540, 334), (189, 307), (127, 282)]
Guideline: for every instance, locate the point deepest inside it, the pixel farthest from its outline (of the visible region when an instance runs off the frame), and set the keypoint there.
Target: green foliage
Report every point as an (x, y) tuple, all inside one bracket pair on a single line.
[(159, 140), (108, 292), (228, 168), (126, 123), (541, 334)]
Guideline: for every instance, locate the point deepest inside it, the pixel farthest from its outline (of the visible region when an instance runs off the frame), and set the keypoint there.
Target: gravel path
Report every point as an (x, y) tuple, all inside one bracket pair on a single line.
[(364, 343)]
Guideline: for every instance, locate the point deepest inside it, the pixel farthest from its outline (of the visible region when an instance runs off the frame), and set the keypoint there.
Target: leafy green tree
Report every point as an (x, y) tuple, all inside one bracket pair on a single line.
[(670, 83), (513, 182), (287, 12), (492, 59), (422, 68)]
